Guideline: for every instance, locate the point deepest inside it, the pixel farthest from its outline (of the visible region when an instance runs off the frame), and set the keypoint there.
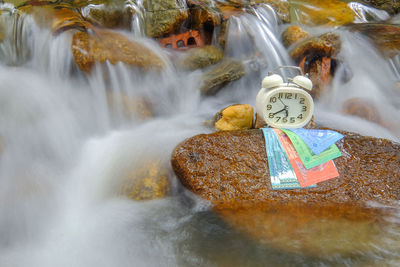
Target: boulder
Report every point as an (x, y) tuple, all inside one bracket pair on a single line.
[(146, 183), (234, 117), (293, 34), (109, 14), (230, 169), (56, 17), (325, 45), (203, 12), (201, 57), (163, 16), (220, 75), (232, 166), (102, 45), (321, 13)]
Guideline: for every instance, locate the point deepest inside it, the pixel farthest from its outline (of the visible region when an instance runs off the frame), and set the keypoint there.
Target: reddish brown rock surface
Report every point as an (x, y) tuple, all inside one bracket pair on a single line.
[(230, 169), (232, 166)]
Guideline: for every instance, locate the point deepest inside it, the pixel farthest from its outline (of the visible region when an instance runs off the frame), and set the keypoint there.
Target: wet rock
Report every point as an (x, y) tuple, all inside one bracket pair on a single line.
[(386, 37), (58, 18), (146, 183), (203, 12), (230, 169), (293, 34), (163, 16), (220, 75), (201, 57), (109, 14), (362, 108), (313, 230), (102, 45), (325, 45), (234, 117), (369, 170), (318, 13), (390, 6)]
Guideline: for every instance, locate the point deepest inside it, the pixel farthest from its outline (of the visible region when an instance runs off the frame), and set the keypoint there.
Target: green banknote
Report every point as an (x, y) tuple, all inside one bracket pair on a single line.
[(306, 155)]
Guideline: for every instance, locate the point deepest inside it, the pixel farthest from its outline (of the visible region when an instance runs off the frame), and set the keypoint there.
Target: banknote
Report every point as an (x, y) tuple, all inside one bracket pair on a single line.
[(281, 172), (306, 155), (316, 139), (310, 177)]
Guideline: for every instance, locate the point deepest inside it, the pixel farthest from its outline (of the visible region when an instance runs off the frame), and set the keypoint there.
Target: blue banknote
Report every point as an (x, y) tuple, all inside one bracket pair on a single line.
[(318, 140), (281, 172)]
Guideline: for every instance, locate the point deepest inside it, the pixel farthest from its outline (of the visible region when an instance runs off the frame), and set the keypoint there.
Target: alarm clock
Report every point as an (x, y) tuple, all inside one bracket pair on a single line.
[(285, 104)]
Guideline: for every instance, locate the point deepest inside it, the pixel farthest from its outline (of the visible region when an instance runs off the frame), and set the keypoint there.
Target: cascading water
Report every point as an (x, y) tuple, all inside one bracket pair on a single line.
[(66, 140)]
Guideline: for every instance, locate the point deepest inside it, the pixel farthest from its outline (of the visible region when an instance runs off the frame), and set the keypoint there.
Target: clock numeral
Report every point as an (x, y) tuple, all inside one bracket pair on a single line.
[(270, 115), (300, 116), (277, 119), (288, 95), (284, 119), (295, 96), (292, 119), (280, 95), (272, 99), (304, 108), (269, 107), (302, 100)]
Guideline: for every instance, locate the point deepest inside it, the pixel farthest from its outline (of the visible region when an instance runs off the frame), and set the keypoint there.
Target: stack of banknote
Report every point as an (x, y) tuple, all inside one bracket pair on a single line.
[(300, 158)]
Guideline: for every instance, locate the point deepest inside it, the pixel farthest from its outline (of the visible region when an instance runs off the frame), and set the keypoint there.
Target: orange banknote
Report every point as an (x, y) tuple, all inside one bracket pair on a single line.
[(306, 177)]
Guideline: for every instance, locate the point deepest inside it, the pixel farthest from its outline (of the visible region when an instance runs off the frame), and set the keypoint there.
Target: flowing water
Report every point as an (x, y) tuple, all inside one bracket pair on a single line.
[(64, 144)]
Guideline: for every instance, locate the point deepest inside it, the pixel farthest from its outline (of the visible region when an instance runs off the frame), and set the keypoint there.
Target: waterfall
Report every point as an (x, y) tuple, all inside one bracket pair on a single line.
[(69, 138)]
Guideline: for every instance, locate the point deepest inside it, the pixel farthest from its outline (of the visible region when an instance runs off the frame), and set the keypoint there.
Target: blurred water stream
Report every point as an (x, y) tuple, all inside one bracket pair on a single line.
[(63, 145)]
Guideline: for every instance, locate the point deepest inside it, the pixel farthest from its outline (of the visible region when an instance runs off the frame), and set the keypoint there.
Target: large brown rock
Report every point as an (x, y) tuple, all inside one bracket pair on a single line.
[(102, 45), (230, 169), (228, 166), (163, 16)]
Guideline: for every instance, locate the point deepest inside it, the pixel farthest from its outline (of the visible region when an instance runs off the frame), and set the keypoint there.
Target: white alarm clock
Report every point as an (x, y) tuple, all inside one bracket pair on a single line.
[(285, 104)]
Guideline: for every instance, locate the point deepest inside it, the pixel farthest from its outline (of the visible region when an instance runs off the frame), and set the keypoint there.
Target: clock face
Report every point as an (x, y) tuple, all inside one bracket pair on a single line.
[(287, 108)]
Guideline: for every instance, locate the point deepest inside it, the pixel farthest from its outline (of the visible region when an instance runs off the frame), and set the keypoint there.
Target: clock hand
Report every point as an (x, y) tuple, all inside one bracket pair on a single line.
[(282, 102), (280, 111)]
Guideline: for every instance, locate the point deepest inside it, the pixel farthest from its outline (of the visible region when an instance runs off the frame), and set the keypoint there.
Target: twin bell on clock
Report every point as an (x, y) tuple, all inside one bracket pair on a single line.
[(285, 104)]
